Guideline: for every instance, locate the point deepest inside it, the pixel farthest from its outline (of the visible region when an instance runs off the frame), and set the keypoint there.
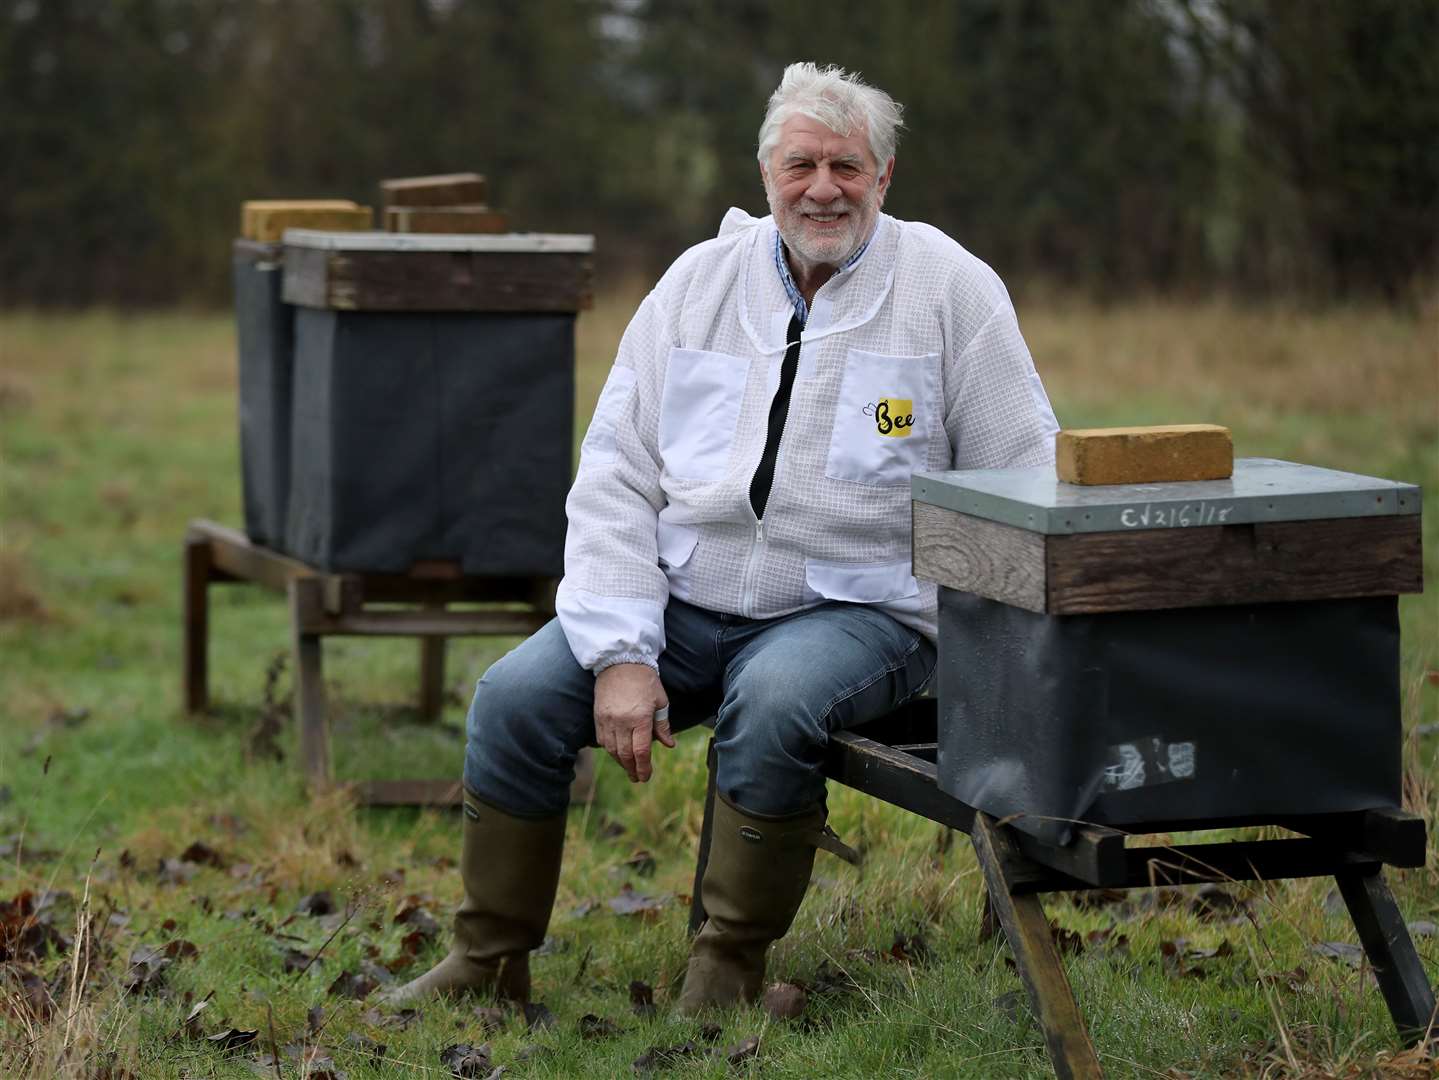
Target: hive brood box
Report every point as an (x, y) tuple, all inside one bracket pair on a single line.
[(1168, 652)]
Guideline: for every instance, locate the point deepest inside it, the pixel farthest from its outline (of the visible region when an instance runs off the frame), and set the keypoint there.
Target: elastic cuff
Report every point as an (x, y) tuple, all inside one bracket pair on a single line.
[(627, 658)]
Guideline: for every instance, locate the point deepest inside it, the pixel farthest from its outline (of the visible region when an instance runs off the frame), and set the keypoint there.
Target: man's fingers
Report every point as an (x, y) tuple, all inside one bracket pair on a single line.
[(662, 726), (643, 771)]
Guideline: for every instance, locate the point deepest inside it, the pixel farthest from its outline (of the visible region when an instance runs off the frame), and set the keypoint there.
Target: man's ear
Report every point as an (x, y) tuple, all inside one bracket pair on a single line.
[(882, 184)]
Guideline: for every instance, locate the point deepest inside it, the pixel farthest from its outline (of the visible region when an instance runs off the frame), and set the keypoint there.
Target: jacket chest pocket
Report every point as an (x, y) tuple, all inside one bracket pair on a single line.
[(699, 412), (884, 418)]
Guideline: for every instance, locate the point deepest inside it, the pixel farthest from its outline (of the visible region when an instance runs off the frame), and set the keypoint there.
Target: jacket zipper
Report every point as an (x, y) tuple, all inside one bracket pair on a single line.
[(762, 482)]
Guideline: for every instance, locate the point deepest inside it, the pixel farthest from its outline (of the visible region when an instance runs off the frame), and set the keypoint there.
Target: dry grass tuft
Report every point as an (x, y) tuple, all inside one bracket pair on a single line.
[(19, 601)]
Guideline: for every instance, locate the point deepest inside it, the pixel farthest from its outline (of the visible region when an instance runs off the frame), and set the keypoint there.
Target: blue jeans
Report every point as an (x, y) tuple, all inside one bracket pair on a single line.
[(777, 688)]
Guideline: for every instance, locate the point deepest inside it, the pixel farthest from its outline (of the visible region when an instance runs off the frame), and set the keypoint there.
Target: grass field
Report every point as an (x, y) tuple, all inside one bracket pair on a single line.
[(150, 864)]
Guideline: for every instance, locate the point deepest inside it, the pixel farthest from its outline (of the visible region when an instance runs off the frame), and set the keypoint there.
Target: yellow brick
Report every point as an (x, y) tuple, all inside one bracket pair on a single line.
[(267, 219), (1144, 455), (445, 219)]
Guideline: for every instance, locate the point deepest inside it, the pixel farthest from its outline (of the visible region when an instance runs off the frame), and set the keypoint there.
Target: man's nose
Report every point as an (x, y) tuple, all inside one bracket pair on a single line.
[(822, 188)]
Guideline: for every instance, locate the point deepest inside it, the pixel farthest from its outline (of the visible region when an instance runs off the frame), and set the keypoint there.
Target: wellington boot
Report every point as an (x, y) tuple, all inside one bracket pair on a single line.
[(757, 875), (511, 868)]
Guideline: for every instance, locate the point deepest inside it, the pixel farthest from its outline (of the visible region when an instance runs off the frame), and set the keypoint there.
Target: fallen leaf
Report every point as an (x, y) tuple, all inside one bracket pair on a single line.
[(785, 1001), (642, 998), (373, 1050), (398, 1020), (296, 961), (353, 984), (317, 903), (629, 902), (491, 1019), (642, 862), (909, 950), (710, 1031), (538, 1016), (203, 855), (1343, 951), (146, 971), (597, 1027), (180, 949), (662, 1057), (583, 908), (743, 1051), (466, 1061), (231, 1039), (1423, 928), (1214, 902), (315, 1020), (177, 871)]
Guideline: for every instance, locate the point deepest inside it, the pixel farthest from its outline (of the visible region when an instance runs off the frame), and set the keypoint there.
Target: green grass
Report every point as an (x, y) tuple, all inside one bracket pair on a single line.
[(116, 430)]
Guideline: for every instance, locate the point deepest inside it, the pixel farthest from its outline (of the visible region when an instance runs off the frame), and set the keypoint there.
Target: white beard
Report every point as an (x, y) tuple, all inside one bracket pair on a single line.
[(830, 248)]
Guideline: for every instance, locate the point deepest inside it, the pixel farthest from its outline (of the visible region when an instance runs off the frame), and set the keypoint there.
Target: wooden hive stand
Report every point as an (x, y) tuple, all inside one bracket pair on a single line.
[(337, 605)]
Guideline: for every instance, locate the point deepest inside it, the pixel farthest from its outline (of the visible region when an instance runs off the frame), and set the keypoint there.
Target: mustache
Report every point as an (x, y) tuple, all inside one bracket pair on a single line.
[(838, 206)]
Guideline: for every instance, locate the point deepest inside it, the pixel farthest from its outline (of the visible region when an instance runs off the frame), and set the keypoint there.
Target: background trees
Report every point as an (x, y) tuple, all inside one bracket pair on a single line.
[(1113, 145)]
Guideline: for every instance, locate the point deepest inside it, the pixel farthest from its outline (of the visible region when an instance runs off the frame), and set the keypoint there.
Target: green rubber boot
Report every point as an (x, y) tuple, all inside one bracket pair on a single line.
[(756, 877), (511, 869)]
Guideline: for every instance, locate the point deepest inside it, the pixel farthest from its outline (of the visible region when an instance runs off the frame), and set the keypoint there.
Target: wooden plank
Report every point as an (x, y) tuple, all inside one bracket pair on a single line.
[(445, 219), (1396, 836), (448, 189), (438, 280), (196, 628), (1095, 855), (1237, 860), (1025, 925), (306, 603), (432, 675), (233, 555), (398, 588), (433, 623), (1162, 454), (977, 556), (1335, 558), (894, 777), (1386, 941)]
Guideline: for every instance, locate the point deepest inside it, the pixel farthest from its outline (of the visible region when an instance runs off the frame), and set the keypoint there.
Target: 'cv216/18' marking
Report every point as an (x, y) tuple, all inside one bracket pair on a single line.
[(1171, 517)]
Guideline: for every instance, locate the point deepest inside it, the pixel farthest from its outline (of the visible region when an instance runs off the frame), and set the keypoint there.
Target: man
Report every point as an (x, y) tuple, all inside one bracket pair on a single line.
[(739, 531)]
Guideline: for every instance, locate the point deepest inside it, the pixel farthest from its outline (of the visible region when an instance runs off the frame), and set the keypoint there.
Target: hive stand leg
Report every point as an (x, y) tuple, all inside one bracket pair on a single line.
[(1027, 929), (306, 603), (432, 675), (1387, 943), (196, 630), (702, 857)]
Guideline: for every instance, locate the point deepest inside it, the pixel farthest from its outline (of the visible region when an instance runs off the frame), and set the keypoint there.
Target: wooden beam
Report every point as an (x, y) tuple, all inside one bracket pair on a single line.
[(196, 629), (448, 189), (424, 623), (1095, 855), (438, 280), (306, 603), (1025, 925), (1152, 569), (1270, 562), (968, 553), (1390, 949)]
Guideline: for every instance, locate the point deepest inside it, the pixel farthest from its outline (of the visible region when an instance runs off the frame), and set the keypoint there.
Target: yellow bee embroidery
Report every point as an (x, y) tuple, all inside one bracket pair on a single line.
[(893, 417)]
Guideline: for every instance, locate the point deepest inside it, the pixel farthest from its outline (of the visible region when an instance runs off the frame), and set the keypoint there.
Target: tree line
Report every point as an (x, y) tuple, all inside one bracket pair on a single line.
[(1114, 146)]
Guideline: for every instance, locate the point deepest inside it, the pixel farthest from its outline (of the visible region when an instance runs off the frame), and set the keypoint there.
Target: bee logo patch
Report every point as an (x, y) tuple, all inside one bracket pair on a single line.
[(893, 417)]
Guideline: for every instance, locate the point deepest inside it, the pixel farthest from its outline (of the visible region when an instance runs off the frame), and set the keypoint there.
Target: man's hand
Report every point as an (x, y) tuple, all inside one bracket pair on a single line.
[(626, 699)]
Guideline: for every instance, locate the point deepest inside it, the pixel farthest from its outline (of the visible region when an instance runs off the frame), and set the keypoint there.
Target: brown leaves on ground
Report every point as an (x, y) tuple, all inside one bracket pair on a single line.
[(642, 999), (468, 1062), (629, 902), (785, 1001)]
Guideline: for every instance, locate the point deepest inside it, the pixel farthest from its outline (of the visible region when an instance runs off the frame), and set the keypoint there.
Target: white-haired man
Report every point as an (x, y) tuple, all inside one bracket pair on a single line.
[(739, 534)]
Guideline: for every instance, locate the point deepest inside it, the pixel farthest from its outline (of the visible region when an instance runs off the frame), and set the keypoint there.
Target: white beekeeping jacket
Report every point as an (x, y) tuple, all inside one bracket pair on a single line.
[(917, 327)]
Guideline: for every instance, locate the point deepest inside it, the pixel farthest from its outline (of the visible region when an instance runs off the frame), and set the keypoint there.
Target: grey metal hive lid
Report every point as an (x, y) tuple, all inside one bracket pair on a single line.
[(540, 243), (1261, 489)]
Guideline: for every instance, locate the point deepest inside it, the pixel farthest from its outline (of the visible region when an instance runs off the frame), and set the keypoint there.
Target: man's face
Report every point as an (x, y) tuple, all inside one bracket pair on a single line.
[(824, 189)]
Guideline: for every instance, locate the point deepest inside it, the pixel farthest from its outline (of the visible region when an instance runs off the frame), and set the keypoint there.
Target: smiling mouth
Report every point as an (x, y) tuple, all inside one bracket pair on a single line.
[(824, 219)]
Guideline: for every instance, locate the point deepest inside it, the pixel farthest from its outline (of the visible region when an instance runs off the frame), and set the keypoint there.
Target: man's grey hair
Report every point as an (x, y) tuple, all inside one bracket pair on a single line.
[(839, 100)]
